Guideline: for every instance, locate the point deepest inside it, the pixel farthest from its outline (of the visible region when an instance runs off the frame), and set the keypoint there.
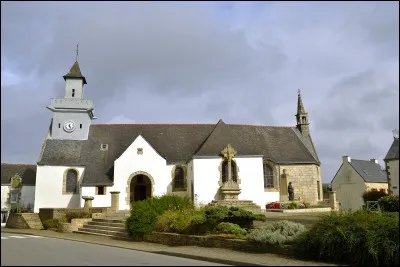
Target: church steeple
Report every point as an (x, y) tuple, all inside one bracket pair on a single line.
[(74, 80), (302, 116)]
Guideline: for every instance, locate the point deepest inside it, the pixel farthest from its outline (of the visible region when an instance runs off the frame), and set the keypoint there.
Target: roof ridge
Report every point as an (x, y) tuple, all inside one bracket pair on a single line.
[(220, 122), (20, 164), (186, 124), (273, 126)]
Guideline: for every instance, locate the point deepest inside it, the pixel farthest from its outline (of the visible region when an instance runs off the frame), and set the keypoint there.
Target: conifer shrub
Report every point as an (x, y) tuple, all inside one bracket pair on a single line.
[(278, 233), (389, 203), (230, 228), (144, 213), (358, 238)]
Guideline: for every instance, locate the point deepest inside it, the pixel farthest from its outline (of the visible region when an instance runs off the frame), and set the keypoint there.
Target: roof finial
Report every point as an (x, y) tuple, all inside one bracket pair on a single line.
[(77, 51), (298, 91)]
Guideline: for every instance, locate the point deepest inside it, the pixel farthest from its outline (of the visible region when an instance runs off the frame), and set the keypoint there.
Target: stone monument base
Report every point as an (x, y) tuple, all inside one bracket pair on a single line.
[(244, 204)]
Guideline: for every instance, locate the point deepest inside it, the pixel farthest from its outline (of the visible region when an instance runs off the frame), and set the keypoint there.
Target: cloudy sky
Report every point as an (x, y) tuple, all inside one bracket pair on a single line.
[(198, 62)]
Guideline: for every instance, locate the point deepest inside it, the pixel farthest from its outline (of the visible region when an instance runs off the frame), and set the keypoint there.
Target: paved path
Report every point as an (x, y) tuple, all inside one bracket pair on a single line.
[(41, 251), (217, 255)]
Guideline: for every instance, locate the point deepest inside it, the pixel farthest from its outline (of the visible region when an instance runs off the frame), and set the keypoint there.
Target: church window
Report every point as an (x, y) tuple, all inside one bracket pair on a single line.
[(225, 172), (101, 190), (80, 125), (179, 179), (59, 125), (73, 92), (140, 151), (103, 147), (15, 195), (268, 176), (71, 185)]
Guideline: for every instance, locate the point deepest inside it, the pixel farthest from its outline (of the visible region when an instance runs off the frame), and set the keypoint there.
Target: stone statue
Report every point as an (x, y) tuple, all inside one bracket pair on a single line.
[(290, 191)]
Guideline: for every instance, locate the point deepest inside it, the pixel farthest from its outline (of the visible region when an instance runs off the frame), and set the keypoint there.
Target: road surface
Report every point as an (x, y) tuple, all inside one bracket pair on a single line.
[(19, 249)]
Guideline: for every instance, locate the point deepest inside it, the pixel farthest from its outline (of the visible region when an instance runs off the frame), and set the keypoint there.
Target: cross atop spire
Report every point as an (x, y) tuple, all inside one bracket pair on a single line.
[(75, 71), (77, 51)]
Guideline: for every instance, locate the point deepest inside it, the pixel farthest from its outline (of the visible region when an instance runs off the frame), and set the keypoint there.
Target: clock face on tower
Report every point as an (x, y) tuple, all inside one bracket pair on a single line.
[(69, 126)]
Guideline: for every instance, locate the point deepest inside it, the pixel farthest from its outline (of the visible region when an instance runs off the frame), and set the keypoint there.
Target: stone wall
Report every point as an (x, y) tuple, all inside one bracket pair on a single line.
[(304, 180), (24, 221), (57, 213)]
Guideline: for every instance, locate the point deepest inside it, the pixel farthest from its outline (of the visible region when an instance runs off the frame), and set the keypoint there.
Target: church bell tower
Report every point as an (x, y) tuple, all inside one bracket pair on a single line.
[(72, 114), (302, 117)]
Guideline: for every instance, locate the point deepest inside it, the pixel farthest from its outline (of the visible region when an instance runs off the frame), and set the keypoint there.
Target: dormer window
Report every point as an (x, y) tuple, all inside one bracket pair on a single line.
[(73, 92), (140, 151), (104, 147)]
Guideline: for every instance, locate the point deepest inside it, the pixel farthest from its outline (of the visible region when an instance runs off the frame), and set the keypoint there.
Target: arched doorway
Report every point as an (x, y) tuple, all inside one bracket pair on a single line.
[(140, 188)]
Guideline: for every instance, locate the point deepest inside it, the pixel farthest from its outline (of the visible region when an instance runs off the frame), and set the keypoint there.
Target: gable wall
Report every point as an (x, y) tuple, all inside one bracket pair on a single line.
[(393, 168)]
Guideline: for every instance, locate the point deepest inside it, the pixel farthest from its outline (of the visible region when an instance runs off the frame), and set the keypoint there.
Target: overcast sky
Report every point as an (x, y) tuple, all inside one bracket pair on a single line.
[(198, 62)]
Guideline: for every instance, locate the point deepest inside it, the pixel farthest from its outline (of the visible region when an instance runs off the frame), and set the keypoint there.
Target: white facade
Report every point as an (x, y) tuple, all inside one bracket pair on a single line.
[(27, 196), (49, 188), (393, 166)]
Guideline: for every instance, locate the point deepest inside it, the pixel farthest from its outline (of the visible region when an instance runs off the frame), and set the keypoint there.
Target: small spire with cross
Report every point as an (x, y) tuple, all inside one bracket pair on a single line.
[(298, 91), (77, 51)]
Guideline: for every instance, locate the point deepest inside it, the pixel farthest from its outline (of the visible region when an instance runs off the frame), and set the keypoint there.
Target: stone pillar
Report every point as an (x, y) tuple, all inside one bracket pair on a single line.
[(88, 203), (332, 200), (115, 200)]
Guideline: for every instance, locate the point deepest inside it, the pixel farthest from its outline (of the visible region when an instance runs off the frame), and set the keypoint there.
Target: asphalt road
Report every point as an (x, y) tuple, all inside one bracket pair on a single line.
[(18, 249)]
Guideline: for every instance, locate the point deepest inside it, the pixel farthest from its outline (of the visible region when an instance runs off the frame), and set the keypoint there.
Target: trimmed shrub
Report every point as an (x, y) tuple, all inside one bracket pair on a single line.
[(389, 203), (373, 195), (144, 213), (278, 233), (293, 205), (77, 214), (230, 228), (359, 238), (175, 221), (51, 224)]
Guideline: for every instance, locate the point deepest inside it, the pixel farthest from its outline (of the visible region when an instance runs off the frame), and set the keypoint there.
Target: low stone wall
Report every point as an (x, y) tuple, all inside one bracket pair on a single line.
[(172, 239), (24, 221), (57, 213), (300, 210)]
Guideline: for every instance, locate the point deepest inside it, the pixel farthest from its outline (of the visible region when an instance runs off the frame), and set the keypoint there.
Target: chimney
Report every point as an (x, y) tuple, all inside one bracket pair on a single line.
[(375, 161), (346, 159)]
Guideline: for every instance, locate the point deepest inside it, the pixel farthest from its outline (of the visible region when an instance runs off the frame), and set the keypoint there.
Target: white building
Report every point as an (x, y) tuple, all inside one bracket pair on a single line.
[(392, 166), (142, 160), (355, 177)]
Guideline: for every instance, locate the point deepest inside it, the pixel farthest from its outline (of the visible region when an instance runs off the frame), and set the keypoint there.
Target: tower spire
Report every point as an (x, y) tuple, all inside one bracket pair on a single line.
[(77, 51), (300, 106), (301, 116)]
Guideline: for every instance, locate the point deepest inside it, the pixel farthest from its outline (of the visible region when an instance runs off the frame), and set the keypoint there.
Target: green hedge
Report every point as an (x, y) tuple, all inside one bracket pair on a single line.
[(373, 195), (144, 213), (230, 228), (389, 203), (359, 238)]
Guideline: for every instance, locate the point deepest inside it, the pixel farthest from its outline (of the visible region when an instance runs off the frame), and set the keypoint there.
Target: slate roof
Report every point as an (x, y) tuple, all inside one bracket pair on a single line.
[(369, 170), (75, 72), (27, 173), (177, 143), (393, 152)]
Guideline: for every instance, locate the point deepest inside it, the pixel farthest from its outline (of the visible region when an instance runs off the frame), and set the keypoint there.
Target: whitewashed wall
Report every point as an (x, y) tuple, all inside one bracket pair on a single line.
[(99, 200), (5, 191), (49, 186), (394, 176), (149, 162), (207, 174)]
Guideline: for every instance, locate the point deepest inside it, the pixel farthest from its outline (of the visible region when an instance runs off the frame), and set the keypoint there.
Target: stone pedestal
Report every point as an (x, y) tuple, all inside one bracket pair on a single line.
[(230, 190), (115, 200), (88, 203), (332, 200)]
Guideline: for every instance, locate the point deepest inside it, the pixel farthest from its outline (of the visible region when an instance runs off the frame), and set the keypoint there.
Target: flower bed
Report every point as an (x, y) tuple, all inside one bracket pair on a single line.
[(286, 205)]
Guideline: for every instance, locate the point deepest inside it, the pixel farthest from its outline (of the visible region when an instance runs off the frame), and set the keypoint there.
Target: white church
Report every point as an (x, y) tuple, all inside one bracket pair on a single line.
[(206, 162)]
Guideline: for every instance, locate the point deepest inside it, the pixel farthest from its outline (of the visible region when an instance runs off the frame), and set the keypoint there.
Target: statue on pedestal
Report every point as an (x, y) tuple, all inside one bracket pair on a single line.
[(290, 191)]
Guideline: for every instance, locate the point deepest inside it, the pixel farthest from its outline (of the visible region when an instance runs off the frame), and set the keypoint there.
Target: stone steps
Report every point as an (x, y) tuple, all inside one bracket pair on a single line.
[(109, 226)]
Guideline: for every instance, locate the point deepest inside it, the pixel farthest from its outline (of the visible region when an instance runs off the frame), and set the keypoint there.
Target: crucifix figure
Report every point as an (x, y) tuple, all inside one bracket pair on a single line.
[(229, 152)]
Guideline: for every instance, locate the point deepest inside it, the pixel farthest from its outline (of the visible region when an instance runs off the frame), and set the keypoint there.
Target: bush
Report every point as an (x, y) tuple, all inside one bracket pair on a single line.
[(175, 221), (389, 203), (373, 195), (359, 238), (144, 213), (293, 205), (230, 228), (76, 214), (51, 224), (278, 233)]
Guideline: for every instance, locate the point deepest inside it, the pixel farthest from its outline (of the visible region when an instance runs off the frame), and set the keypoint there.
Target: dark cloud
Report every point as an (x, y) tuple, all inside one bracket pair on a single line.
[(199, 62)]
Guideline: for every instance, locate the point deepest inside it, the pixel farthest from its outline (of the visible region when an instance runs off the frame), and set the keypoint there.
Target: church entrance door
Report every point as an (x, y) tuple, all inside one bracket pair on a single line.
[(140, 188)]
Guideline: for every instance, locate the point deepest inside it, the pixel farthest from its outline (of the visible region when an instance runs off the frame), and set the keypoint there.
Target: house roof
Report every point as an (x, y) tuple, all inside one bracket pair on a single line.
[(177, 143), (26, 171), (369, 170), (393, 152)]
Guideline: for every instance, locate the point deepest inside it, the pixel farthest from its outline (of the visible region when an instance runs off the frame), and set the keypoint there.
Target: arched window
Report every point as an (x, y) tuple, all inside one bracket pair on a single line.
[(179, 178), (225, 172), (268, 176), (71, 185)]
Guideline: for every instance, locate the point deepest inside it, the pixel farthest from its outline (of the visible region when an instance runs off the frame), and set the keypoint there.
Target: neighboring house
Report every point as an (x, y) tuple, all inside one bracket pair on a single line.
[(201, 161), (392, 166), (353, 178), (26, 194)]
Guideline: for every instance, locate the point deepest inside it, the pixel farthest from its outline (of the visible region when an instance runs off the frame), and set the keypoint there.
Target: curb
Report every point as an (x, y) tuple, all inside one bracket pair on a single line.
[(166, 253)]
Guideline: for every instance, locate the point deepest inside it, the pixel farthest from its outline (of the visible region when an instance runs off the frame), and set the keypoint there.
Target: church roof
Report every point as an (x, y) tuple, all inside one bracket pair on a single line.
[(393, 152), (26, 171), (177, 143), (75, 72)]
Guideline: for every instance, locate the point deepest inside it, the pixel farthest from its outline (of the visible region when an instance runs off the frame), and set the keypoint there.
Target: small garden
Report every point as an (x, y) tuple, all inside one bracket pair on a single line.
[(287, 205), (357, 238)]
